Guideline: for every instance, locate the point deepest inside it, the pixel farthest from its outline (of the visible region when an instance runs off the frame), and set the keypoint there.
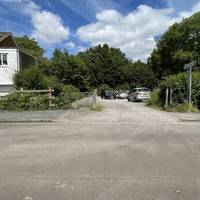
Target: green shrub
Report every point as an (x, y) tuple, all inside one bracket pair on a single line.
[(18, 102), (185, 107), (178, 83), (33, 78), (95, 107), (32, 101), (67, 95), (102, 88), (154, 99)]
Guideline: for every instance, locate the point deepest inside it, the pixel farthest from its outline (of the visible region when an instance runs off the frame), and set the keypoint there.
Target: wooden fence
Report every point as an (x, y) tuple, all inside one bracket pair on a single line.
[(87, 97), (49, 92)]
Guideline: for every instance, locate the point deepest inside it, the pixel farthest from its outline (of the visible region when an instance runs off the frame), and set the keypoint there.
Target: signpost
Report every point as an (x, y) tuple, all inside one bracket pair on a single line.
[(188, 67)]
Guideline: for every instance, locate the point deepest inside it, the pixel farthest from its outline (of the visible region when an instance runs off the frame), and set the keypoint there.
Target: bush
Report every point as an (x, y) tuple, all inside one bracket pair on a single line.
[(154, 100), (185, 107), (178, 83), (95, 107), (18, 102), (31, 78), (103, 88), (67, 95), (33, 101)]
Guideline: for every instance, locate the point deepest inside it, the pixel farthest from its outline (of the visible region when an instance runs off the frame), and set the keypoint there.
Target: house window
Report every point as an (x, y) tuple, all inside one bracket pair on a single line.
[(3, 59)]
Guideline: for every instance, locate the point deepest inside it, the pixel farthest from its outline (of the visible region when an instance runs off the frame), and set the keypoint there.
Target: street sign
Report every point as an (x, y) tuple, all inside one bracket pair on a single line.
[(190, 65), (189, 68)]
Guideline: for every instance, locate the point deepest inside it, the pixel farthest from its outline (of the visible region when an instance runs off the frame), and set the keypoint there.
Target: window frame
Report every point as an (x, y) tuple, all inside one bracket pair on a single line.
[(2, 59)]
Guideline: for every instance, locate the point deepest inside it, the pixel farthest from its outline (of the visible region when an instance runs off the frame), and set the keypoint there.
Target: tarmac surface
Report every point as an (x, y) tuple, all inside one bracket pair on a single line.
[(126, 152)]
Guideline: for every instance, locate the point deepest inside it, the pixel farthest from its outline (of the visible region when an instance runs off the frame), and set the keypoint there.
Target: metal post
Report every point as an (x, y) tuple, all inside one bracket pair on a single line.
[(167, 97), (94, 97), (190, 86), (189, 68)]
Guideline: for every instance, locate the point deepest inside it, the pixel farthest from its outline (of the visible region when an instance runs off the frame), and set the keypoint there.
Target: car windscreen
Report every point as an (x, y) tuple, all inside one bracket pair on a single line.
[(133, 90), (109, 92), (143, 90)]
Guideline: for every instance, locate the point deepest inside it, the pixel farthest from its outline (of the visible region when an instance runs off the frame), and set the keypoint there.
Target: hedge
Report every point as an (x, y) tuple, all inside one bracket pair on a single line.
[(178, 83)]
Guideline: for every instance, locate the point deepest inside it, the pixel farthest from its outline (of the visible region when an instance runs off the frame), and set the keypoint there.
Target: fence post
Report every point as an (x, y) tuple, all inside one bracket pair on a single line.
[(21, 91), (94, 97), (49, 97), (167, 97), (170, 95)]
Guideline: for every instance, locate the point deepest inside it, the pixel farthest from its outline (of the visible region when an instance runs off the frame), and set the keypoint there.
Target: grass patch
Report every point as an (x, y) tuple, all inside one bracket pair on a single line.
[(185, 107), (96, 107)]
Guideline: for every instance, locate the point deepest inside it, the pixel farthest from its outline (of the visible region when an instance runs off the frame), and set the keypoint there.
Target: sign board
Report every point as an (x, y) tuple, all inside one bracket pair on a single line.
[(189, 65)]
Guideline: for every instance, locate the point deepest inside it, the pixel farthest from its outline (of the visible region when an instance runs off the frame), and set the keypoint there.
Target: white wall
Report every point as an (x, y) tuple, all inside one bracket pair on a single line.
[(5, 90), (7, 72)]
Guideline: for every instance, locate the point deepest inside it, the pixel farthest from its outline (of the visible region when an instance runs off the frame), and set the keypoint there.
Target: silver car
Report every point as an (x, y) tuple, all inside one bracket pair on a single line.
[(139, 94), (122, 95)]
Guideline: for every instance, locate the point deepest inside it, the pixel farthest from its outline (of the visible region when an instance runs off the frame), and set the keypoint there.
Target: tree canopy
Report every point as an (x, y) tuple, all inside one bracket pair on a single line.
[(30, 46), (94, 68), (179, 45), (105, 65)]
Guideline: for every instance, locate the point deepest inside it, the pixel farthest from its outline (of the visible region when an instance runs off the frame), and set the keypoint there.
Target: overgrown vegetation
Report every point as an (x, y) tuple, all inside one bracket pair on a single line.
[(177, 84), (18, 102), (178, 46), (154, 100), (33, 101), (91, 69), (96, 107), (106, 68)]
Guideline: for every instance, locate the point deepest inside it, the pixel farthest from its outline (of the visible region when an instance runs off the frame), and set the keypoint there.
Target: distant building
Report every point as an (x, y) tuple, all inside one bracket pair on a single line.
[(12, 59)]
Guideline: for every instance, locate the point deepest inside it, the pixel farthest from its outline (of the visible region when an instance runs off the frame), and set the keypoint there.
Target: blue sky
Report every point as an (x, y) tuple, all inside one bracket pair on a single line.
[(130, 25)]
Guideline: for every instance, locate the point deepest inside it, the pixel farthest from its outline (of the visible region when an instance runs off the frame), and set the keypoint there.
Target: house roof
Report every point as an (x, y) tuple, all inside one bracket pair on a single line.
[(4, 35)]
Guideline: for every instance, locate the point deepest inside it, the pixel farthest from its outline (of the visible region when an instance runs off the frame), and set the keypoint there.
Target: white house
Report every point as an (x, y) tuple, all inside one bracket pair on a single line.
[(12, 59)]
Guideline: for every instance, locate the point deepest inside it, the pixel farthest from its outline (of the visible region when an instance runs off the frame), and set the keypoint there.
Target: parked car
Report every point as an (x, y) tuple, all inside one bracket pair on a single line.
[(122, 95), (139, 94), (107, 94)]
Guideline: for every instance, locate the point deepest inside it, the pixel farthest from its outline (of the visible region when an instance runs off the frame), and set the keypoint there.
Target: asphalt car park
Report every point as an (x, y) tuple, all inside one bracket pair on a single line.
[(127, 151)]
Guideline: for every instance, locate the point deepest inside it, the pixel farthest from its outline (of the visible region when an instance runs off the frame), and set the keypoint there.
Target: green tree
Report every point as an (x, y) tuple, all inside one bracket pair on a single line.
[(139, 74), (31, 78), (105, 65), (29, 45), (179, 45), (178, 83), (69, 69)]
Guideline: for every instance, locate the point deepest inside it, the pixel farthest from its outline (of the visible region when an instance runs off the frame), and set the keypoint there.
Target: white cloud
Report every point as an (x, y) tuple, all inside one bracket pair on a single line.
[(70, 45), (133, 33), (48, 28)]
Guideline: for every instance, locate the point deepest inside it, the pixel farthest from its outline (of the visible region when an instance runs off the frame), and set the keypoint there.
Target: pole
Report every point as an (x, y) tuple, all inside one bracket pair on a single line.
[(167, 97), (170, 95), (94, 97), (49, 97), (190, 86)]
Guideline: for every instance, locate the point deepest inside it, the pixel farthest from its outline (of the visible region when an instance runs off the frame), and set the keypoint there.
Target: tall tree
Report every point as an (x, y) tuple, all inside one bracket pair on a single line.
[(69, 69), (139, 74), (179, 45), (105, 65), (30, 46)]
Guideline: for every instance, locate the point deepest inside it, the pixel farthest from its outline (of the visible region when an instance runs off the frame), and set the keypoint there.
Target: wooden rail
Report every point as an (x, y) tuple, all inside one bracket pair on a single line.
[(49, 91)]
